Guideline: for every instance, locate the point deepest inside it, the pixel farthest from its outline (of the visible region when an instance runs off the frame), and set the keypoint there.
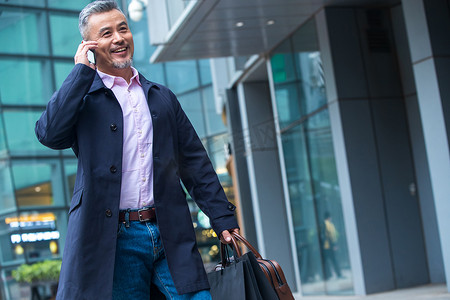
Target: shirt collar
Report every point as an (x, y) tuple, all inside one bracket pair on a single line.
[(109, 80)]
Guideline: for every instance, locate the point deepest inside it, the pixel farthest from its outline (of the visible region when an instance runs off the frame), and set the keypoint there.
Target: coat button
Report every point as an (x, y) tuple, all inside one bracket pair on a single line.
[(231, 207), (108, 212), (113, 169), (113, 127)]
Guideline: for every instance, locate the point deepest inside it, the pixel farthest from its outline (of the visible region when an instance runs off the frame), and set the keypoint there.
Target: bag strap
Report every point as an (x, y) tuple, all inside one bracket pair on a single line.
[(246, 243)]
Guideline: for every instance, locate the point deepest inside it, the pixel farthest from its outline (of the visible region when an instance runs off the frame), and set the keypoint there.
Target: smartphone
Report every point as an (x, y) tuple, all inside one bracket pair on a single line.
[(91, 56)]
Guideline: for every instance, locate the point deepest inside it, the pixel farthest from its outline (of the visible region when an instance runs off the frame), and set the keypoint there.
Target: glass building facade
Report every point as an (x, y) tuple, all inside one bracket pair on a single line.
[(311, 174), (36, 183)]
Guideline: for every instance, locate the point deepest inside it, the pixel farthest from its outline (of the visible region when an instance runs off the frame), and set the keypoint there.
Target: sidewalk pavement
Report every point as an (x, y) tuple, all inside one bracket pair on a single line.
[(431, 291)]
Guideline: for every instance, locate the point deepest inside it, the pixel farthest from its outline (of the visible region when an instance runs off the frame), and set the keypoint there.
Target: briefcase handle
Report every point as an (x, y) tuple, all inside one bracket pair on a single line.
[(235, 237)]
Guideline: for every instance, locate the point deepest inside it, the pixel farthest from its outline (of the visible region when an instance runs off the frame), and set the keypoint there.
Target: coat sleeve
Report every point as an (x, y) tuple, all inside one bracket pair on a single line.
[(199, 176), (56, 126)]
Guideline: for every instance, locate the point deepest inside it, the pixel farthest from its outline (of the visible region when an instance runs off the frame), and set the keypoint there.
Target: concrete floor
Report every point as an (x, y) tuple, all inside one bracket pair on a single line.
[(432, 291)]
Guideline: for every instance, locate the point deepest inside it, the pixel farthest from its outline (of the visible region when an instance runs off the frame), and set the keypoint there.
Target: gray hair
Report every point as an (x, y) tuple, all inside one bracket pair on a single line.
[(95, 7)]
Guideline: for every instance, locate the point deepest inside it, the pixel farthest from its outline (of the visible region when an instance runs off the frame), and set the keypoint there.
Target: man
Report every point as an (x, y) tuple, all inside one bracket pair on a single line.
[(129, 224)]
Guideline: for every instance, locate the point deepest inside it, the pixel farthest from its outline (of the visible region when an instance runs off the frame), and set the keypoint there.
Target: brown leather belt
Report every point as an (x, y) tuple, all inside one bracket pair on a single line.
[(143, 215)]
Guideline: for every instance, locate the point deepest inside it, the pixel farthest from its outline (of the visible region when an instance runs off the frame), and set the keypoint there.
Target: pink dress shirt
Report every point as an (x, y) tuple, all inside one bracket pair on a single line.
[(137, 160)]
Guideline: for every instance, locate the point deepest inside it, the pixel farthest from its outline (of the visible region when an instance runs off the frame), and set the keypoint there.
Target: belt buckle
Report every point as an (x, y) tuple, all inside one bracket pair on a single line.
[(140, 216)]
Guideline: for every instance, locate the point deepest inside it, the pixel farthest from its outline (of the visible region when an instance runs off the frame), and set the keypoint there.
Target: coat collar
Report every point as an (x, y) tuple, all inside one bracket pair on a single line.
[(98, 84)]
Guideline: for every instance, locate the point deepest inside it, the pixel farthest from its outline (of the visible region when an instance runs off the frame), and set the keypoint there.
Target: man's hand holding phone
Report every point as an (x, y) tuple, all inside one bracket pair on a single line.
[(83, 56)]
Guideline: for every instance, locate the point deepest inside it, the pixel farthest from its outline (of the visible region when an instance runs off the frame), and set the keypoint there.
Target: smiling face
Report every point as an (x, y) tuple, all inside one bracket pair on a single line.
[(115, 42)]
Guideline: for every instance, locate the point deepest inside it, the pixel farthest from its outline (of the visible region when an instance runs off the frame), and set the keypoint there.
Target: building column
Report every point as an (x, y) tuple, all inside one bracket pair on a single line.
[(372, 149), (258, 150), (428, 25)]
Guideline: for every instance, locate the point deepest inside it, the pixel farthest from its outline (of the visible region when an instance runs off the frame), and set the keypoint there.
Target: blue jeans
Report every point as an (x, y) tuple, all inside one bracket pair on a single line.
[(140, 262)]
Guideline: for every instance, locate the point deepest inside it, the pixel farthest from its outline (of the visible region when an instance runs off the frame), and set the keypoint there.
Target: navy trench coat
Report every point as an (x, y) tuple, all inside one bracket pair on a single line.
[(86, 116)]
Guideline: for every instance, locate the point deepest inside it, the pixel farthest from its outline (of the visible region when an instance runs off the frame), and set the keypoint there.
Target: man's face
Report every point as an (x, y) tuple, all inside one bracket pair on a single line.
[(115, 41)]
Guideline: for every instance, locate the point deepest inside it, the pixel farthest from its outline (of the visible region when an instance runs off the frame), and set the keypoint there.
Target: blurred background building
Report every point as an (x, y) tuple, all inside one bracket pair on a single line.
[(327, 121)]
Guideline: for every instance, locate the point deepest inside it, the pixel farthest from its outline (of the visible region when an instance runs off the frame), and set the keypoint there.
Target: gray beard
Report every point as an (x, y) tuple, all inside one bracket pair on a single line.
[(123, 65)]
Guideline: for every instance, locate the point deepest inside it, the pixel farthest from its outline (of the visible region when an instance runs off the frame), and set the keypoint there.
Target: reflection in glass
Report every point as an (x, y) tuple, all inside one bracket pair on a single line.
[(24, 81), (20, 133), (32, 236), (216, 146), (310, 166), (283, 66), (303, 210), (38, 183), (10, 252), (288, 106), (311, 83), (336, 265), (26, 28), (214, 122)]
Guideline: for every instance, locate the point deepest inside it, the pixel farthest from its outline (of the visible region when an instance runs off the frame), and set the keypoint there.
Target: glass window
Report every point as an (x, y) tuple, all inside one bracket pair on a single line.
[(336, 263), (311, 81), (36, 3), (153, 72), (70, 172), (303, 211), (3, 150), (33, 236), (65, 34), (143, 50), (27, 29), (192, 106), (310, 165), (38, 183), (214, 122), (25, 81), (7, 200), (282, 61), (216, 151), (68, 4), (62, 70), (10, 252), (20, 134), (182, 76), (288, 106), (205, 71)]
